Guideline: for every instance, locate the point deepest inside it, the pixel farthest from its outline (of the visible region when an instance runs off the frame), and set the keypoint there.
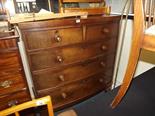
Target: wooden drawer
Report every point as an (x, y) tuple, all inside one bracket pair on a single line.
[(13, 99), (11, 83), (9, 60), (9, 72), (52, 38), (8, 44), (102, 32), (68, 55), (76, 91), (52, 79)]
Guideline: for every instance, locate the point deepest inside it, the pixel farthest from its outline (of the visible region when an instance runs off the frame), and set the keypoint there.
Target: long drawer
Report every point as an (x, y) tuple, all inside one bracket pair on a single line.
[(76, 91), (10, 72), (51, 79), (51, 38), (9, 60), (68, 55), (13, 99)]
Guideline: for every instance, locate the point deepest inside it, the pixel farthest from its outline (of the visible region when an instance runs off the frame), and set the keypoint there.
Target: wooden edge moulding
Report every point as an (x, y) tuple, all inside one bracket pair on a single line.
[(18, 18)]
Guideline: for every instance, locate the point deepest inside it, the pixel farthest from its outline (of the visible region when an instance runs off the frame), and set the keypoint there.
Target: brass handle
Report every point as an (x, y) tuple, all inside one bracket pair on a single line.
[(5, 84), (105, 30), (103, 47), (59, 59), (12, 103), (57, 38), (64, 95), (61, 77), (102, 64)]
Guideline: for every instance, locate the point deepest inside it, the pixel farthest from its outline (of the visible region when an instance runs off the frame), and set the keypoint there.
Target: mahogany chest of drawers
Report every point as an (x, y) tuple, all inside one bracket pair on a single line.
[(13, 87), (71, 59)]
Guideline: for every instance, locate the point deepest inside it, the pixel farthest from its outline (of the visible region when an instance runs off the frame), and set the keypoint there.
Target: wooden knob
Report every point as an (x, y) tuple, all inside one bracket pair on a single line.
[(58, 38), (101, 80), (59, 59), (61, 77), (103, 47), (64, 95), (102, 64)]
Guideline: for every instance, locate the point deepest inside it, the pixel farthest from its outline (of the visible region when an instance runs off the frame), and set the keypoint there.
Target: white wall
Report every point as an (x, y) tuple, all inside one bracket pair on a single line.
[(147, 59), (123, 53), (117, 5)]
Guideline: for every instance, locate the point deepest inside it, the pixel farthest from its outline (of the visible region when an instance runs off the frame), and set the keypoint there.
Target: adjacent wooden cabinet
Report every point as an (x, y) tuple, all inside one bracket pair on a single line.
[(71, 59), (13, 86)]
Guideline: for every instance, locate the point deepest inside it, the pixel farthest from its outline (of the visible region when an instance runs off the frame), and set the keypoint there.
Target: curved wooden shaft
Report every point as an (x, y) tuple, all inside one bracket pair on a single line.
[(134, 56), (134, 53)]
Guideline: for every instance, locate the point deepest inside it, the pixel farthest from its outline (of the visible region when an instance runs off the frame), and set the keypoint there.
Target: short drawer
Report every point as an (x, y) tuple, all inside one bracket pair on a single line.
[(68, 55), (52, 38), (76, 91), (9, 60), (56, 78), (11, 83), (13, 99), (102, 32)]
